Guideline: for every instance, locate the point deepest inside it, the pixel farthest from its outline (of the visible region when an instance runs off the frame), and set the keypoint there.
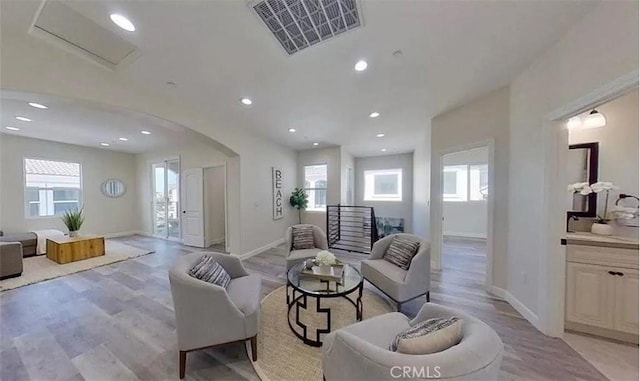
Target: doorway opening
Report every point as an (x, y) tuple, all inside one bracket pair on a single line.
[(215, 210), (166, 199), (465, 214)]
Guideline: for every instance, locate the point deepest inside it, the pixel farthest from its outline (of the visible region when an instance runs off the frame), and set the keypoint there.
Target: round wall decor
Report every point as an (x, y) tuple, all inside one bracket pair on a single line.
[(113, 188)]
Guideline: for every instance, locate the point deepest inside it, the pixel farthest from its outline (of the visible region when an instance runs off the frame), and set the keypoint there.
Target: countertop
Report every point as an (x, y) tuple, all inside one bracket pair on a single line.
[(590, 239)]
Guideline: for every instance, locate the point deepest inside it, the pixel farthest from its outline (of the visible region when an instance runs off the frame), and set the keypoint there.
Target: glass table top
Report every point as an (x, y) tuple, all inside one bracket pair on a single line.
[(351, 279)]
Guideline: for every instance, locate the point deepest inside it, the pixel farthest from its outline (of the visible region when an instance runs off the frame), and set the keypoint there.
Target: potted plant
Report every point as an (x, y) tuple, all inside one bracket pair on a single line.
[(299, 200), (73, 219), (601, 225)]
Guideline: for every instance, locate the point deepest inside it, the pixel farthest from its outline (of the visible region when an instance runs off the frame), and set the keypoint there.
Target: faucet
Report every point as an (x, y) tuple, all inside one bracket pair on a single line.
[(569, 218)]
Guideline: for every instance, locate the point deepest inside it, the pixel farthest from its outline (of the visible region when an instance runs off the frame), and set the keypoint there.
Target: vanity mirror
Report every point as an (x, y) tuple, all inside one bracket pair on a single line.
[(582, 165), (113, 188)]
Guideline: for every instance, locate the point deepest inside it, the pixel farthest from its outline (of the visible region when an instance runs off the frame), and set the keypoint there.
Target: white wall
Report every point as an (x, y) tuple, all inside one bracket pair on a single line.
[(600, 48), (422, 183), (32, 65), (332, 157), (104, 215), (347, 162), (485, 118), (465, 218), (618, 150), (394, 209)]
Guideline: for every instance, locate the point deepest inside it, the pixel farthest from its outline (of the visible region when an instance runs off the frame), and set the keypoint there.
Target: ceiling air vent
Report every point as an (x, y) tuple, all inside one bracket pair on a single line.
[(62, 25), (298, 24)]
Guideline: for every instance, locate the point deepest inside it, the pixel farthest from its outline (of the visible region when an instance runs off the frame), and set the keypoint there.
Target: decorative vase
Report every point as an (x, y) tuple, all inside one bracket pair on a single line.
[(601, 229), (309, 264), (73, 233)]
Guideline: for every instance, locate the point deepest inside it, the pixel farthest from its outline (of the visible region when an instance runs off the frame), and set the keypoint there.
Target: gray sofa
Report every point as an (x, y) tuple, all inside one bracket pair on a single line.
[(29, 242), (398, 284), (360, 351), (10, 259), (208, 315), (296, 256)]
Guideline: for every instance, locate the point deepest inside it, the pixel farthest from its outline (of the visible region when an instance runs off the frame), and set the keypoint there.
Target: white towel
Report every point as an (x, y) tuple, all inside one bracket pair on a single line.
[(42, 236)]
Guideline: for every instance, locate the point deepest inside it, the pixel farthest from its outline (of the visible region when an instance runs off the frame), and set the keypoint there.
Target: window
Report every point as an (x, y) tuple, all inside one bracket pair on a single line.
[(51, 187), (465, 182), (383, 185), (315, 185)]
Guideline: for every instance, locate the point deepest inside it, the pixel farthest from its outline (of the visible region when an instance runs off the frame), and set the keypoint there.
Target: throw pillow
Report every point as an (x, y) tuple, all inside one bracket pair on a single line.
[(209, 270), (430, 336), (303, 237), (401, 251)]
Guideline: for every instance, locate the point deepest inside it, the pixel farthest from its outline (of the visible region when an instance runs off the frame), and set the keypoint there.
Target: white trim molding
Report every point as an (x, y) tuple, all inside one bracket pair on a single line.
[(259, 250), (551, 289), (124, 234)]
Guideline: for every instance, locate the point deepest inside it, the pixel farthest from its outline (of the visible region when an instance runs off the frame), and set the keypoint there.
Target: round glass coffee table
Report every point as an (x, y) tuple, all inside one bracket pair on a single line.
[(303, 287)]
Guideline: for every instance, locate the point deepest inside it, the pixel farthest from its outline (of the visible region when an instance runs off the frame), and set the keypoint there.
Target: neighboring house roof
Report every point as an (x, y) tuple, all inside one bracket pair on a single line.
[(48, 167)]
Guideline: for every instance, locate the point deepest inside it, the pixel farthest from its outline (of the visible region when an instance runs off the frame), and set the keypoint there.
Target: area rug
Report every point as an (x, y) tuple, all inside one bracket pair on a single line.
[(39, 268), (281, 355)]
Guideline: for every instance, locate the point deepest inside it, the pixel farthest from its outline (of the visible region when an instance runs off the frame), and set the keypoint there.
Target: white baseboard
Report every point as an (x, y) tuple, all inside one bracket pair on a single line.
[(497, 291), (516, 304), (122, 234), (464, 235), (259, 250)]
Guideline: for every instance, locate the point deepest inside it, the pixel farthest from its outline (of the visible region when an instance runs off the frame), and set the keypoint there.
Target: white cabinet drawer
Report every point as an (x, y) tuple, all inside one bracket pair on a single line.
[(604, 256)]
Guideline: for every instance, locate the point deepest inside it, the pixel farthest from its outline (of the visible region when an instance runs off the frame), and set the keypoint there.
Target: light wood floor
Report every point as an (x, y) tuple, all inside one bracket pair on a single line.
[(116, 322)]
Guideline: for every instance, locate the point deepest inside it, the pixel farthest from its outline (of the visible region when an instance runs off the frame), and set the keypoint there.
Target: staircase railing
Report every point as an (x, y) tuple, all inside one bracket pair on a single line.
[(351, 228)]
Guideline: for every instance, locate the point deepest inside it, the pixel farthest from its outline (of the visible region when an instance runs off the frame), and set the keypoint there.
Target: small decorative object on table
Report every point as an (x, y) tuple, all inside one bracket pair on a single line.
[(601, 226), (324, 266), (73, 219)]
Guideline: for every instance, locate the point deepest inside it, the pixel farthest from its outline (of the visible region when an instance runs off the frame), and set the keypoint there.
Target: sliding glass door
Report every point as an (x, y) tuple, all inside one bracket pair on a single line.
[(166, 196)]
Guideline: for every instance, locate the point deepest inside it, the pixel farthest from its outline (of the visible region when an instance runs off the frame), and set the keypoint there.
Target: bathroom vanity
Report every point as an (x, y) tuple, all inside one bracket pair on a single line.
[(602, 286)]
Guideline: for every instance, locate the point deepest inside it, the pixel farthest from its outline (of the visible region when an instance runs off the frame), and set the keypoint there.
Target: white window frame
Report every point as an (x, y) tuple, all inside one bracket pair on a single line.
[(46, 193), (311, 204), (369, 185), (463, 183)]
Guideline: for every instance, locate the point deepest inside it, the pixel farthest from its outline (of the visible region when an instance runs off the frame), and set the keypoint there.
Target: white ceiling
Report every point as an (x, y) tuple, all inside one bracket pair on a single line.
[(220, 51), (73, 122)]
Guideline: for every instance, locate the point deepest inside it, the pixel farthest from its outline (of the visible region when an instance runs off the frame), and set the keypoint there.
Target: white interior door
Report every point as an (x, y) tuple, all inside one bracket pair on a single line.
[(193, 202)]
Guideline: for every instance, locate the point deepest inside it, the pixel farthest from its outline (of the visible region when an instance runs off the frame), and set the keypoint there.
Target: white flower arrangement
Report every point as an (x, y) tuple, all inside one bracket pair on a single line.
[(325, 258), (586, 189)]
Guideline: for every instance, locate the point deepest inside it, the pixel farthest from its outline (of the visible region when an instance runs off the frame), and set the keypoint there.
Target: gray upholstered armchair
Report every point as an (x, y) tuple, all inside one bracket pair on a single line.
[(297, 256), (209, 315), (398, 284), (361, 351)]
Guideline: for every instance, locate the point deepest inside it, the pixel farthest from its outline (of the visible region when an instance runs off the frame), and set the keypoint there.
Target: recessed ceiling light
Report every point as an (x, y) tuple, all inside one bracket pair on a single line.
[(384, 150), (105, 144), (292, 130), (380, 136), (12, 128), (122, 22), (37, 105), (374, 114), (361, 65), (246, 101), (123, 139), (143, 132), (22, 118), (315, 144)]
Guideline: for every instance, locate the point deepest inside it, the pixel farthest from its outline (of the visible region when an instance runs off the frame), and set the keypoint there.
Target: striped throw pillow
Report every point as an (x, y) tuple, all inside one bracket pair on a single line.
[(303, 237), (430, 336), (401, 251), (209, 270)]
